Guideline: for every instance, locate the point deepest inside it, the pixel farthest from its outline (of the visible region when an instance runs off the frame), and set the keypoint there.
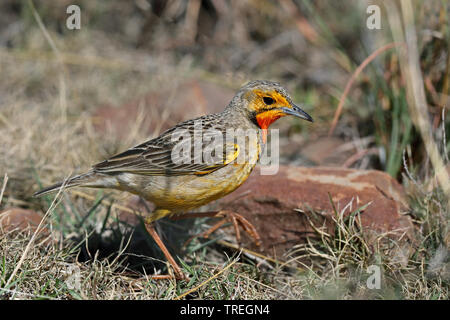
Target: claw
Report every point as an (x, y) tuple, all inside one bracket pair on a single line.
[(228, 216), (236, 219)]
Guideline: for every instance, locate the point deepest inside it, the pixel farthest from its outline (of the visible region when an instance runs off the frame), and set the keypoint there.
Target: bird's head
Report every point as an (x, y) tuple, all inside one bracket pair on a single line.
[(265, 102)]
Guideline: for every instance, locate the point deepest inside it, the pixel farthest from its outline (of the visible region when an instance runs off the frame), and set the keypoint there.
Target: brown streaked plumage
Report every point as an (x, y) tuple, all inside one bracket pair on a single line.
[(153, 170)]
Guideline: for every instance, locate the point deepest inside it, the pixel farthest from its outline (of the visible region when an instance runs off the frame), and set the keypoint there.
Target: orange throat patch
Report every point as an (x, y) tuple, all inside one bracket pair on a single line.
[(265, 119)]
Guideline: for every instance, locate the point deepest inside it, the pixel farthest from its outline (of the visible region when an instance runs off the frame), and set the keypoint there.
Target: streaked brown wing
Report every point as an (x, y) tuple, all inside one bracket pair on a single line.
[(156, 157)]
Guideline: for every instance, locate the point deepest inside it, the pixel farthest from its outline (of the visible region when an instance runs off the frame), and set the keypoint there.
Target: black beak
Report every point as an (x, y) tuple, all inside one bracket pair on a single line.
[(297, 112)]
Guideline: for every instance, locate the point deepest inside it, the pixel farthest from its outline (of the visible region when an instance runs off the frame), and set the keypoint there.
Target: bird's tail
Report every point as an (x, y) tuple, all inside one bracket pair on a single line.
[(79, 180)]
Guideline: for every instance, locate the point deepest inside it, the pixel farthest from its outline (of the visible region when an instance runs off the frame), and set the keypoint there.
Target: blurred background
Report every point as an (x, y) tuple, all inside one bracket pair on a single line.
[(152, 63), (70, 98)]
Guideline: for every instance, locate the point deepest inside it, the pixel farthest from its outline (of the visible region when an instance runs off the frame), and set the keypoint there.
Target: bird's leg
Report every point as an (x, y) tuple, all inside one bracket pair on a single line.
[(179, 275), (227, 216), (149, 226)]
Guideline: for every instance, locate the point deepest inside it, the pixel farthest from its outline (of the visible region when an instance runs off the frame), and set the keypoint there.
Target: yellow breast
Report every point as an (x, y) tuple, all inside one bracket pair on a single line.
[(183, 193)]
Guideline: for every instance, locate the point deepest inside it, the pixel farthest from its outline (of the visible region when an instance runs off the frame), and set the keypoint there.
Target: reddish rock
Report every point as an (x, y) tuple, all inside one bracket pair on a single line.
[(21, 219), (279, 205), (327, 151), (162, 110), (269, 202)]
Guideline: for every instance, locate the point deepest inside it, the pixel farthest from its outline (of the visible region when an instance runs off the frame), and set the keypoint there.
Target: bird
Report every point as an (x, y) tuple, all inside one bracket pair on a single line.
[(171, 170)]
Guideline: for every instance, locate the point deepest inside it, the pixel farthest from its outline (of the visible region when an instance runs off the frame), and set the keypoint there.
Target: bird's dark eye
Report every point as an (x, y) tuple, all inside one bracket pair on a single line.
[(268, 100)]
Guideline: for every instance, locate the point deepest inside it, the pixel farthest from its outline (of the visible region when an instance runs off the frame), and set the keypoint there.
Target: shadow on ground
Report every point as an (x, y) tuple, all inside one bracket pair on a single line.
[(137, 249)]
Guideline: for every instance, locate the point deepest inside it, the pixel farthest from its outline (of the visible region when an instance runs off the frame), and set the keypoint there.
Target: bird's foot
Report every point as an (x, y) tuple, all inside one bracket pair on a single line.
[(236, 220), (227, 216), (180, 276)]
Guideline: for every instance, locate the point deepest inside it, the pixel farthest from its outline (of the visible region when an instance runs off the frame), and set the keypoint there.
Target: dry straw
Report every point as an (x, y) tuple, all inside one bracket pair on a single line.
[(415, 92)]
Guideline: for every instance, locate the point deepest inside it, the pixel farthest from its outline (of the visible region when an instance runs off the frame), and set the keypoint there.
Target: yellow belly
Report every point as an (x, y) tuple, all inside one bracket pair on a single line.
[(182, 193)]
